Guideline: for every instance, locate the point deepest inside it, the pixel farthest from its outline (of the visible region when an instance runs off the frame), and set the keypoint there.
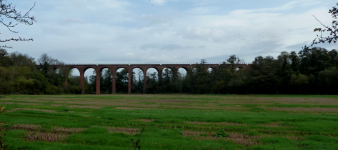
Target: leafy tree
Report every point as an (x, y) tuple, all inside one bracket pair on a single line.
[(4, 58), (106, 81), (221, 76), (19, 59), (152, 84), (295, 62), (202, 78), (56, 78), (328, 80), (264, 74), (122, 81), (137, 86)]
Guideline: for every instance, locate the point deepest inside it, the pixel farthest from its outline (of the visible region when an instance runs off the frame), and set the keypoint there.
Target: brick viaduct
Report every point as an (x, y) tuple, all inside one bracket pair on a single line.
[(129, 67)]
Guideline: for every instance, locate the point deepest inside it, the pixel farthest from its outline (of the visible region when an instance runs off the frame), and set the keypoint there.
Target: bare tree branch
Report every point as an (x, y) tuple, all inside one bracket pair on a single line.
[(8, 11), (332, 30)]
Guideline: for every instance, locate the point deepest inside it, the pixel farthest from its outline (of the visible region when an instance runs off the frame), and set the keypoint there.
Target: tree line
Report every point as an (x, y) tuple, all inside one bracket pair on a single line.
[(310, 71)]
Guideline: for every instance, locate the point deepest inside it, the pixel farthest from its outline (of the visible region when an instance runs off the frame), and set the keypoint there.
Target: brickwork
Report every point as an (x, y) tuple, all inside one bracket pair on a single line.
[(129, 68)]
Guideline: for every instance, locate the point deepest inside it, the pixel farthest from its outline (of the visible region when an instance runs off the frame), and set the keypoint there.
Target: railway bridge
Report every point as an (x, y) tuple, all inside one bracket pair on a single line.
[(129, 67)]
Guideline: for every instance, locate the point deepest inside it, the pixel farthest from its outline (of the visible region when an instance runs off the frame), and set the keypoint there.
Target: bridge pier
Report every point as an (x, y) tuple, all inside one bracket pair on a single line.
[(144, 81), (98, 74), (129, 80), (113, 70), (160, 76), (129, 67), (66, 82), (82, 80)]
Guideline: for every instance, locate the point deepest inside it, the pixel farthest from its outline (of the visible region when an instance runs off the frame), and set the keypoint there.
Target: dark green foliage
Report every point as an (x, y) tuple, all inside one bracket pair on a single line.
[(122, 81), (311, 71), (221, 133), (66, 109), (179, 131)]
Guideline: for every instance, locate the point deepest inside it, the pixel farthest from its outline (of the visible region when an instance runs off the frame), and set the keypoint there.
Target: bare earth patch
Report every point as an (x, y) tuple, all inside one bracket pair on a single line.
[(272, 124), (48, 137), (235, 137), (307, 109), (21, 103), (243, 139), (123, 130), (57, 134), (125, 108), (281, 100), (56, 105), (80, 106), (54, 99), (67, 130), (220, 123), (31, 100), (190, 133), (43, 110), (130, 108), (7, 99), (145, 120), (30, 127)]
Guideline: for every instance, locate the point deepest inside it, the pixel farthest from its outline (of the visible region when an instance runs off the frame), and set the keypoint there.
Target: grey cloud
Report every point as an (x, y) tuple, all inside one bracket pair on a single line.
[(249, 51), (263, 46), (297, 47), (216, 35), (168, 47), (122, 59), (57, 31), (168, 18)]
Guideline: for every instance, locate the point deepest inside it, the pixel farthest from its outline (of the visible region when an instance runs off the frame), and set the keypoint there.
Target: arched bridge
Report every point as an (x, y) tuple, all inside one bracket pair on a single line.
[(129, 67)]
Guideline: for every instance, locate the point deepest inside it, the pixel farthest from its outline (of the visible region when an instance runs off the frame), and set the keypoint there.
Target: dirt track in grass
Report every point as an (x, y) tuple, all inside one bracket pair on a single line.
[(172, 117)]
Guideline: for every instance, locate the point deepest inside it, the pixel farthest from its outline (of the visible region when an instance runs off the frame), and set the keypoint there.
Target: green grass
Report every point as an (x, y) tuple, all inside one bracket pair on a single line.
[(175, 121)]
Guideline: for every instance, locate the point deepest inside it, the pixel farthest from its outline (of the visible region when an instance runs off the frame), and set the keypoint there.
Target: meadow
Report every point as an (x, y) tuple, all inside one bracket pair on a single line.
[(170, 122)]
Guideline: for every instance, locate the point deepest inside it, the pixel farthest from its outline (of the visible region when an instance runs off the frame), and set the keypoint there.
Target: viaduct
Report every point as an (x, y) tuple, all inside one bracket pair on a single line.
[(129, 67)]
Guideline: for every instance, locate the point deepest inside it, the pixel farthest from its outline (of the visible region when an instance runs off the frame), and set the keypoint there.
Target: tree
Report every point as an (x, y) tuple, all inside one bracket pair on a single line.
[(51, 61), (202, 77), (332, 30), (8, 11), (122, 81), (5, 59), (264, 74)]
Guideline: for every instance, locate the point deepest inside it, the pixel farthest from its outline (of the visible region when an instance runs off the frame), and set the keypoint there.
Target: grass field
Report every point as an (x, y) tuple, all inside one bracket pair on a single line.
[(172, 122)]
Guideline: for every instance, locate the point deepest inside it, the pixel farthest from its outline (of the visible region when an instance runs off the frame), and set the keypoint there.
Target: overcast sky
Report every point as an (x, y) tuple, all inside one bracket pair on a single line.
[(125, 31)]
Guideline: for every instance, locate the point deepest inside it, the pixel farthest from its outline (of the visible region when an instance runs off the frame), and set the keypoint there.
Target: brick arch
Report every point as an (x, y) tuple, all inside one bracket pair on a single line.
[(186, 68), (129, 70), (144, 67), (144, 70)]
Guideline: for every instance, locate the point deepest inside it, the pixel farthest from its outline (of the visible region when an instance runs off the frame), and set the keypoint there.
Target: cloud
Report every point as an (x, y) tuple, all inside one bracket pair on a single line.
[(72, 21), (151, 19), (160, 2), (167, 47), (286, 6), (112, 31), (297, 47)]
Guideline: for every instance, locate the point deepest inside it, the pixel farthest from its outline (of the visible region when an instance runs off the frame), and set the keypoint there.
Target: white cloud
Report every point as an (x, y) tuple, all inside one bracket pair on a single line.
[(82, 31)]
